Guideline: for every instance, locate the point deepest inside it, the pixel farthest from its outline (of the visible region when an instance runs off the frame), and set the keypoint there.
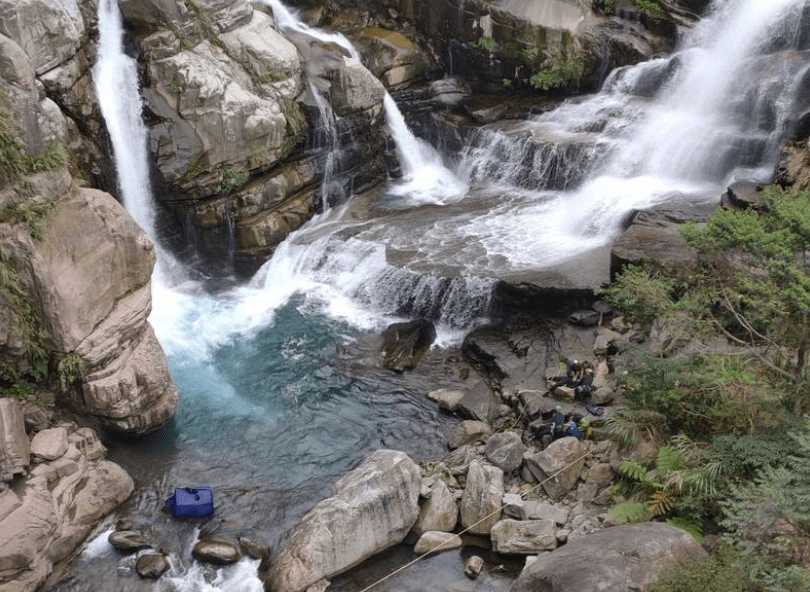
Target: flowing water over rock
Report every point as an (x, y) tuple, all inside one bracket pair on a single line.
[(281, 386)]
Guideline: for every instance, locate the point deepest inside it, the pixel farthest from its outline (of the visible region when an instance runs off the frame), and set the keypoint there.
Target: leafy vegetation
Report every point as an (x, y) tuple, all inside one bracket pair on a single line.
[(559, 68), (70, 369), (16, 311), (484, 43), (718, 573), (15, 162), (733, 445), (230, 179), (649, 7)]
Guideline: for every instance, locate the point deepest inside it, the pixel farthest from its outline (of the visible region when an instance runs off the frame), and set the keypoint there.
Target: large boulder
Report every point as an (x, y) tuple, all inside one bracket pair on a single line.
[(559, 466), (217, 118), (481, 502), (48, 513), (50, 33), (619, 559), (374, 507), (88, 278), (523, 537)]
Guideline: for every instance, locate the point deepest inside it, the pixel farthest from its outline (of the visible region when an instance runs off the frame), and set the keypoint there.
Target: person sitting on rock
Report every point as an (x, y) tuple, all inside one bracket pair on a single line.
[(584, 389), (575, 371)]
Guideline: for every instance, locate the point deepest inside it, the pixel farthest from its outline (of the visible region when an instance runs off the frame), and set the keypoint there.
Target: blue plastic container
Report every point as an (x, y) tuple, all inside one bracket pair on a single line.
[(190, 502)]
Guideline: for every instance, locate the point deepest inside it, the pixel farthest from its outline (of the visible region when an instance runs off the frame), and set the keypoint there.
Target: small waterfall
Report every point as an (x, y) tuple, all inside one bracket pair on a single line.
[(425, 178), (334, 188), (288, 21), (116, 84)]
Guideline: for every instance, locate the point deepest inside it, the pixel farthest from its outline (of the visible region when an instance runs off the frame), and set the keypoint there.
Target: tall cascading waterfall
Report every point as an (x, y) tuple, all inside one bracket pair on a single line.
[(116, 84), (684, 126)]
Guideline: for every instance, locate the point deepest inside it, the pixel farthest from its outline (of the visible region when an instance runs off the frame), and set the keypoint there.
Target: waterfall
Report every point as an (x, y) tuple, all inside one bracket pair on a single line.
[(326, 140), (287, 21), (427, 180), (116, 84), (682, 127), (425, 177)]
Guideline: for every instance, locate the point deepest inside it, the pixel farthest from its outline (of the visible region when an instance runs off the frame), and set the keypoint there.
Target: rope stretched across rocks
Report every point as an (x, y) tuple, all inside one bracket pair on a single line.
[(471, 526)]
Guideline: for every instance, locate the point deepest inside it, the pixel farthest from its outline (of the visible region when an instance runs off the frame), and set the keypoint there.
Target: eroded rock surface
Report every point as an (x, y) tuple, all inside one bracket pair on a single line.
[(373, 508), (47, 512), (629, 558)]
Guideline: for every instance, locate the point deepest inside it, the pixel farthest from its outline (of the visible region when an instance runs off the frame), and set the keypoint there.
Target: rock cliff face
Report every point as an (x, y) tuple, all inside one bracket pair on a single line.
[(77, 267), (502, 43), (230, 101), (87, 275)]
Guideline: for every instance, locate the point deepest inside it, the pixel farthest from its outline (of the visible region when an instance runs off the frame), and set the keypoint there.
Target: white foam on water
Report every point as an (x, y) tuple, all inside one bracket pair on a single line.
[(239, 577), (99, 546)]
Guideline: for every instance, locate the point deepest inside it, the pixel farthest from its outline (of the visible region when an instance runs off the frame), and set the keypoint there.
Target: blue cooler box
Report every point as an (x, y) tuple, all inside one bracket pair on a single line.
[(190, 502)]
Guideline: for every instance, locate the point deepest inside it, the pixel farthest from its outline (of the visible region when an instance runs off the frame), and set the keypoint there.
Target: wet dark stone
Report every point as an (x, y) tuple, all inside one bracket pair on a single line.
[(152, 565), (585, 318), (128, 540), (404, 344), (216, 551), (253, 548), (742, 196)]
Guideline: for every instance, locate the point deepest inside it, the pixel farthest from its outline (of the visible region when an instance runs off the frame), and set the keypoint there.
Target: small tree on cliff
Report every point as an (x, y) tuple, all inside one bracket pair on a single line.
[(755, 270)]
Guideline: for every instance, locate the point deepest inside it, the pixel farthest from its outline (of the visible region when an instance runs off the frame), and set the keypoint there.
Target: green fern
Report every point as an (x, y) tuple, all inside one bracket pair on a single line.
[(634, 471), (629, 513), (627, 427), (670, 459)]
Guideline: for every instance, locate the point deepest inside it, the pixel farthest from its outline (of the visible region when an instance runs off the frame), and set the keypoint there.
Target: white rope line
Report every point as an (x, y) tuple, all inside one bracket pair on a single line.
[(471, 526)]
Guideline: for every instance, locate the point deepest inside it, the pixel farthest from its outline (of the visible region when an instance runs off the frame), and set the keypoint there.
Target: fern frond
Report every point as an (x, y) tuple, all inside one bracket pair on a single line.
[(634, 470), (628, 426), (629, 513), (674, 481), (670, 459), (660, 503)]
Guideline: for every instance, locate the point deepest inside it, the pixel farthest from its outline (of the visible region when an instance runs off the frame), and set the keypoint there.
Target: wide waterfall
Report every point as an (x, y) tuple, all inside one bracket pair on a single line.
[(279, 378)]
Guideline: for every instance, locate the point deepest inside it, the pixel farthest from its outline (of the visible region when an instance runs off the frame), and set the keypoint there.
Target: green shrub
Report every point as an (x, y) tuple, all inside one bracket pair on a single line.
[(484, 43), (644, 291), (16, 309), (701, 395), (713, 574), (767, 519), (15, 162), (71, 368), (559, 69)]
